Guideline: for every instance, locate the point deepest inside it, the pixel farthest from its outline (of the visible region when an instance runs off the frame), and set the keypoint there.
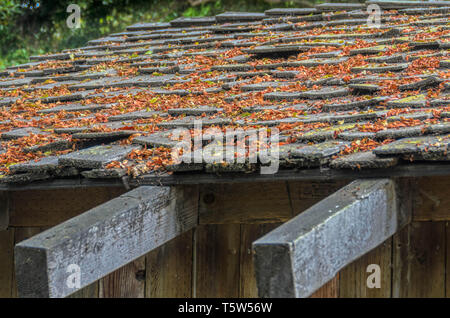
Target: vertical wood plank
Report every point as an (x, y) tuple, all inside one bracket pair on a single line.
[(126, 282), (51, 207), (6, 263), (90, 291), (329, 290), (169, 269), (419, 260), (353, 278), (217, 260), (250, 233), (21, 234)]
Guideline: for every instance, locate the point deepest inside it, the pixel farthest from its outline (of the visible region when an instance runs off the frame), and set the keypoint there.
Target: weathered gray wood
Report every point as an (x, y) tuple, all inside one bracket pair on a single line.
[(4, 210), (103, 239), (404, 170), (318, 174), (303, 254)]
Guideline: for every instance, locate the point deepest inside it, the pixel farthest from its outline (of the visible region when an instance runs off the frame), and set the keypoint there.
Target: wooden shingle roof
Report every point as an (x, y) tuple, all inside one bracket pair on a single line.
[(348, 98)]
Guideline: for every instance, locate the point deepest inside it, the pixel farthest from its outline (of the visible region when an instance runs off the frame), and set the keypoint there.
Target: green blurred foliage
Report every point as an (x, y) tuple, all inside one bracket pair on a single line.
[(30, 27)]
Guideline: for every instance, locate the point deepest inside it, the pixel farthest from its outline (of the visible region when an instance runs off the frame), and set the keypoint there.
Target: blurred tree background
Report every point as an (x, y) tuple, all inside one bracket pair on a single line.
[(30, 27)]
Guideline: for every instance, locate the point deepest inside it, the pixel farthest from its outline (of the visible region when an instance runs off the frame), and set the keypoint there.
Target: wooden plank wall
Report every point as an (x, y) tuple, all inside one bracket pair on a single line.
[(215, 259)]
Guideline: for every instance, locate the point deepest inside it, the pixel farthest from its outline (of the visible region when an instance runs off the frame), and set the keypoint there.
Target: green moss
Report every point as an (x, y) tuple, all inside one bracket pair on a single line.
[(413, 98)]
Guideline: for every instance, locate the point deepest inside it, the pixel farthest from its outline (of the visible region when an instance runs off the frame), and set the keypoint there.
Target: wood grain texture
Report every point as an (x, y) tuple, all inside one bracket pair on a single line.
[(433, 200), (250, 233), (419, 260), (413, 170), (329, 290), (126, 282), (244, 203), (447, 259), (353, 278), (4, 210), (300, 256), (419, 270), (169, 268), (51, 207), (304, 194), (6, 263), (217, 260), (90, 291), (21, 234), (37, 208)]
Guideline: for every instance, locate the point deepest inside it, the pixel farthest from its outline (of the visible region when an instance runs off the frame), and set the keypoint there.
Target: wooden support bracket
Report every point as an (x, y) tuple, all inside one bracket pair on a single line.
[(67, 257), (300, 256)]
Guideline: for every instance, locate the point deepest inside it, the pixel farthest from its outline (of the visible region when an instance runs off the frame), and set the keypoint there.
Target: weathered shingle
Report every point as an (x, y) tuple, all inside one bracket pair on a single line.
[(343, 95)]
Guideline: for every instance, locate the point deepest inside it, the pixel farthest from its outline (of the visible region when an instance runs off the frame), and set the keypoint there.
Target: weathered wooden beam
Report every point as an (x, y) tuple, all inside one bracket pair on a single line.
[(103, 239), (303, 254), (6, 263), (67, 183)]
